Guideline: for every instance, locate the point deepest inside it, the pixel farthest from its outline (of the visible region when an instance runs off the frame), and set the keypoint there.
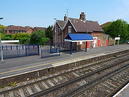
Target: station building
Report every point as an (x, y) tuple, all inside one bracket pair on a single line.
[(81, 26)]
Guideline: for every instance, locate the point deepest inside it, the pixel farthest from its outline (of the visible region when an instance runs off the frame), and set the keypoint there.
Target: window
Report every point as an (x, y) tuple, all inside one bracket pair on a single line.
[(69, 29)]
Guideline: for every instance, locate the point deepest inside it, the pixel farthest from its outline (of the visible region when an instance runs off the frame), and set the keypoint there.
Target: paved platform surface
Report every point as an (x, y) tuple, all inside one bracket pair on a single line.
[(124, 92), (11, 67)]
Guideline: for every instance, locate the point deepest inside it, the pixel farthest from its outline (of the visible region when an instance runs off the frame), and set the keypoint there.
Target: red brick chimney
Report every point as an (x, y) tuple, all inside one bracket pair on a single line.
[(82, 16)]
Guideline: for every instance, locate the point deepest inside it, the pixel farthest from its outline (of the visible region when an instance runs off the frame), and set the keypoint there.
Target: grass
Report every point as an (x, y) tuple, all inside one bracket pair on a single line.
[(12, 84)]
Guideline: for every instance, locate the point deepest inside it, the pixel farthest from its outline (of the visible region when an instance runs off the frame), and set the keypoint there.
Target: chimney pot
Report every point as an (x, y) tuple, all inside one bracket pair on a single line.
[(65, 18), (82, 16)]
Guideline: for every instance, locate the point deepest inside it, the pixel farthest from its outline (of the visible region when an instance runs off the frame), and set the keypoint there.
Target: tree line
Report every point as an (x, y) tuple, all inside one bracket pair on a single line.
[(114, 29), (39, 37), (117, 28)]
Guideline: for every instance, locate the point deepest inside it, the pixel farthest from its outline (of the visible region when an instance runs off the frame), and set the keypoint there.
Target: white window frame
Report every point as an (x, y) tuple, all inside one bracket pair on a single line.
[(69, 29)]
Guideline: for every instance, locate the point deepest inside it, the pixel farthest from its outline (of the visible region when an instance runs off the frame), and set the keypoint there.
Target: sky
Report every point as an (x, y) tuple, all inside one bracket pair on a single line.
[(42, 12)]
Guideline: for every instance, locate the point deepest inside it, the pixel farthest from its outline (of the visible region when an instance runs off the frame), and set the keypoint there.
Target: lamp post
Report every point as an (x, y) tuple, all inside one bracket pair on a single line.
[(55, 32), (1, 51), (119, 39)]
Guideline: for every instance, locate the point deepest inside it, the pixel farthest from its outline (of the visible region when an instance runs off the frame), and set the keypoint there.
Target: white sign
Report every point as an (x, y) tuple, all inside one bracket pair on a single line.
[(95, 39), (80, 42), (117, 38), (9, 41)]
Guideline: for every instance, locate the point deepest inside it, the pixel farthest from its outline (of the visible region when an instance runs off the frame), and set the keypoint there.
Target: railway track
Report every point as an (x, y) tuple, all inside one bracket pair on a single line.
[(105, 86), (68, 88), (60, 83)]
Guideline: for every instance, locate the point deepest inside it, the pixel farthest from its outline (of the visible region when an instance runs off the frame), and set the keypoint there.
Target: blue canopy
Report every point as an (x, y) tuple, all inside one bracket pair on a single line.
[(78, 37)]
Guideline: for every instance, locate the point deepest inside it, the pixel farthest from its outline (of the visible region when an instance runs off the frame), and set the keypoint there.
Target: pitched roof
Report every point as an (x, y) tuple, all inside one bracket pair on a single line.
[(85, 26), (17, 28), (26, 28), (61, 23), (39, 28), (81, 26)]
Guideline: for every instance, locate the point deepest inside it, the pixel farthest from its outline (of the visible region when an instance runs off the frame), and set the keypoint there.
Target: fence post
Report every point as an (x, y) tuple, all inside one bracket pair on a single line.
[(50, 49), (40, 51), (38, 46), (25, 50), (6, 47), (16, 51), (1, 49), (70, 47)]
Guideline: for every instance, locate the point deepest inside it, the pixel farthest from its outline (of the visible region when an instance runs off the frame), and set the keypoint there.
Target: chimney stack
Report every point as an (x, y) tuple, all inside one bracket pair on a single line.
[(65, 18), (82, 16)]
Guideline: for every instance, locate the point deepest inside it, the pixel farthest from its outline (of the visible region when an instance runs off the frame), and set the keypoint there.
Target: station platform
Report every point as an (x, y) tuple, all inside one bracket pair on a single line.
[(17, 66), (124, 92)]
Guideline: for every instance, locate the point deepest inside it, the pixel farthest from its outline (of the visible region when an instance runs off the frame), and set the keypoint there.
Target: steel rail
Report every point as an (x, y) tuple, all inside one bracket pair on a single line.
[(47, 91), (95, 82)]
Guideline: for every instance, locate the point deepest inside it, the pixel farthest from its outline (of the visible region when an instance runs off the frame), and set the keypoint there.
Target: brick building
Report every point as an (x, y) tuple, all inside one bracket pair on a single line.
[(19, 29), (82, 26)]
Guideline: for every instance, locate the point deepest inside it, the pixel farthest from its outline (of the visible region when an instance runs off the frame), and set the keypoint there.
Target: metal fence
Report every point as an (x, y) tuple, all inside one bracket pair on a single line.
[(12, 51), (49, 51), (54, 49), (65, 46)]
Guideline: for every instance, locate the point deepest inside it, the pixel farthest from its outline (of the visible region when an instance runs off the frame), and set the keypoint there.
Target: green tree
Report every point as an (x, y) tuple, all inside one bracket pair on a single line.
[(2, 27), (38, 37), (128, 32), (7, 37), (118, 27), (49, 33), (106, 26), (24, 38)]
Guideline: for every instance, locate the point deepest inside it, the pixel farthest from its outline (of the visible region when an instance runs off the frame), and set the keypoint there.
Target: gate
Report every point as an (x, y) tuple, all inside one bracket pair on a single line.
[(49, 51)]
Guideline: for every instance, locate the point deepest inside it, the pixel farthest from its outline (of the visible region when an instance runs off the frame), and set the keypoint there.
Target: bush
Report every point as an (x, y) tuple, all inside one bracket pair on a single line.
[(24, 38), (45, 40), (38, 37), (7, 37)]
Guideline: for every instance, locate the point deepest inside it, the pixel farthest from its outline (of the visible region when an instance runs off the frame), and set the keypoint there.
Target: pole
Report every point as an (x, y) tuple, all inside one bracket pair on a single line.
[(119, 40), (86, 46), (1, 50), (114, 42), (55, 32), (70, 47)]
